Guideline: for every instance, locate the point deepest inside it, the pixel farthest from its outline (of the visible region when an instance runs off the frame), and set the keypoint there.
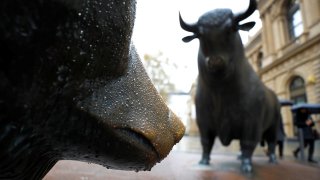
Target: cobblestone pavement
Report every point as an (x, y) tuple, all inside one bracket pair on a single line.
[(182, 163)]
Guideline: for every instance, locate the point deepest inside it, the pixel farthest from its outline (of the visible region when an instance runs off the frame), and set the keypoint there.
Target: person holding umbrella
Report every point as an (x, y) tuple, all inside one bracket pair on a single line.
[(304, 121)]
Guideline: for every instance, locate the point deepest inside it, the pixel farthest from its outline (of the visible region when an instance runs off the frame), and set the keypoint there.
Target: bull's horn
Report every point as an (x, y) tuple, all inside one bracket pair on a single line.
[(188, 27), (241, 16)]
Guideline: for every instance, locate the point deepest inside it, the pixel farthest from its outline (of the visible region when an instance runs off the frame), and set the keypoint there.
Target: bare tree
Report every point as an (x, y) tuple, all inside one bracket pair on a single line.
[(158, 68)]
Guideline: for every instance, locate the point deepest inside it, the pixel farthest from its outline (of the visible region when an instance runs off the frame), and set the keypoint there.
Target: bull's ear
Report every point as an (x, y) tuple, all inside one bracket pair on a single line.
[(246, 26), (189, 38)]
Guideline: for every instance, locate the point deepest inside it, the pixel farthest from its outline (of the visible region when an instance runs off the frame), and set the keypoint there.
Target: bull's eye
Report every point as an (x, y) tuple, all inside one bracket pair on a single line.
[(210, 63), (205, 47), (228, 31)]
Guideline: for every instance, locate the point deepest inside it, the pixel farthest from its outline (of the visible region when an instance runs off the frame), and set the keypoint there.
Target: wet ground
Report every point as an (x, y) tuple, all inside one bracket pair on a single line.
[(192, 144), (182, 163)]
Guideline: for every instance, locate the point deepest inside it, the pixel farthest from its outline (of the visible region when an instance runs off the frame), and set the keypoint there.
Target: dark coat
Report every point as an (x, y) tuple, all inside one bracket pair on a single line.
[(300, 121)]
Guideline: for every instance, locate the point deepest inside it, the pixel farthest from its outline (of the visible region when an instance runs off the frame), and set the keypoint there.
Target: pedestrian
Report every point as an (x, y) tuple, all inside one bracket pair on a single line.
[(280, 138), (304, 121)]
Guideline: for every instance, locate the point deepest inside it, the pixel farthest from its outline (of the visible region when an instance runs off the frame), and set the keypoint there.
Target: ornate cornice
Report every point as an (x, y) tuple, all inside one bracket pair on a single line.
[(255, 41), (294, 51)]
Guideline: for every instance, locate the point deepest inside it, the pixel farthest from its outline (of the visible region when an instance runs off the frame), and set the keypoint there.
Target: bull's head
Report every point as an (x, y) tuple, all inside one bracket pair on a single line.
[(217, 31), (73, 87)]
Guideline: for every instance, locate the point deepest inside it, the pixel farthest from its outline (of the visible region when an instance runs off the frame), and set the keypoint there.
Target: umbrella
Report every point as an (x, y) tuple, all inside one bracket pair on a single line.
[(285, 102), (312, 108)]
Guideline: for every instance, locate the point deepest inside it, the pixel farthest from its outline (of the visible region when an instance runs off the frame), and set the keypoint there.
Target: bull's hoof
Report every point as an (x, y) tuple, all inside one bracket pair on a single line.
[(204, 162), (272, 159), (239, 157), (246, 165)]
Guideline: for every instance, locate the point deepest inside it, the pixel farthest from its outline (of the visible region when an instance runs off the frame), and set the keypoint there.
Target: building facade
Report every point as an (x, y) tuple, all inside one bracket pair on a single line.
[(286, 52)]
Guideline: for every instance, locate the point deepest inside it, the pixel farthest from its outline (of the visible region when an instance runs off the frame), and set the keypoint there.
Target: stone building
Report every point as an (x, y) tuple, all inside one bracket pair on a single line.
[(286, 52)]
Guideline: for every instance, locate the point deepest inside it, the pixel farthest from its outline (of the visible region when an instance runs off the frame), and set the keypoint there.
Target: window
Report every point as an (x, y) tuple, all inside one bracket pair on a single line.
[(259, 60), (297, 94), (294, 19), (298, 90)]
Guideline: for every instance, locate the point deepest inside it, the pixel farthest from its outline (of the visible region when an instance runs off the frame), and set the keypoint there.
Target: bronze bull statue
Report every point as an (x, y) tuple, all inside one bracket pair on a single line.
[(231, 101)]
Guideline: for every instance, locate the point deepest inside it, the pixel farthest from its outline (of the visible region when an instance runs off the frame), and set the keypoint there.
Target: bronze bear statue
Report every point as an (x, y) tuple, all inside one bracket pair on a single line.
[(73, 88)]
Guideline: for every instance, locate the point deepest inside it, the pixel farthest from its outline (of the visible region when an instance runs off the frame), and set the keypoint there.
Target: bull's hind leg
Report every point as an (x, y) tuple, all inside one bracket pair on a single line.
[(246, 154), (207, 141), (271, 140), (271, 152), (270, 137)]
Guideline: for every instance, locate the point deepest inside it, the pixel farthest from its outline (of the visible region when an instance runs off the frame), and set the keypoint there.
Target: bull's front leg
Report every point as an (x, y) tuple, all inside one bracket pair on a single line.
[(207, 141), (206, 124), (247, 148)]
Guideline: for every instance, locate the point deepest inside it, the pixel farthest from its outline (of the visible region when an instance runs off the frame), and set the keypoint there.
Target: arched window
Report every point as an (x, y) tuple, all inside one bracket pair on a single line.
[(259, 60), (294, 19), (298, 90)]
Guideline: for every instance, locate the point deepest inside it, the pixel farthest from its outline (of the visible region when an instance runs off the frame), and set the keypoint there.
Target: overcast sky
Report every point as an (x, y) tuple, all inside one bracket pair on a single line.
[(157, 29)]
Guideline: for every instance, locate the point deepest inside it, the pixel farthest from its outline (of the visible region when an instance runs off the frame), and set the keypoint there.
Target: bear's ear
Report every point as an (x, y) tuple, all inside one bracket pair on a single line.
[(246, 26), (189, 38)]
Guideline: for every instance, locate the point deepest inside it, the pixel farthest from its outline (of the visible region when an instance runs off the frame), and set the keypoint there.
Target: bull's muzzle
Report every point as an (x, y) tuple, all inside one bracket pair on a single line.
[(215, 62)]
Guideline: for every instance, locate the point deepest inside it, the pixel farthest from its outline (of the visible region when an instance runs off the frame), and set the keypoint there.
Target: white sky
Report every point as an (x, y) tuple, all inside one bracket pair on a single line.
[(157, 29)]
